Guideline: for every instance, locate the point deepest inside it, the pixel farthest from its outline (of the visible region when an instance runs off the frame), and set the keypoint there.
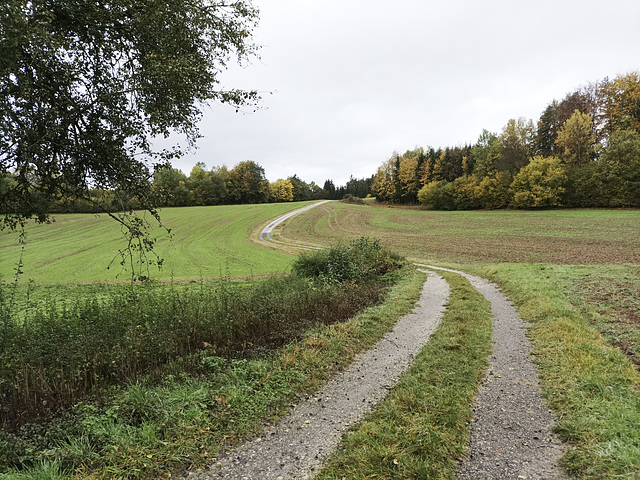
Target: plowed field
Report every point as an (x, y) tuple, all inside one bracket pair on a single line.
[(559, 237)]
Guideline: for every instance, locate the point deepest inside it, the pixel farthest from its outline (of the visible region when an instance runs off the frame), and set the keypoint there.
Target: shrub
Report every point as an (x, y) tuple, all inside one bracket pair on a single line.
[(361, 260), (590, 186), (493, 192), (437, 195), (541, 183), (466, 193)]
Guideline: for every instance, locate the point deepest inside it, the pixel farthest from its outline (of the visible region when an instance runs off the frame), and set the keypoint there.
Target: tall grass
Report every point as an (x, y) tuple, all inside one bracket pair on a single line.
[(52, 353), (194, 405)]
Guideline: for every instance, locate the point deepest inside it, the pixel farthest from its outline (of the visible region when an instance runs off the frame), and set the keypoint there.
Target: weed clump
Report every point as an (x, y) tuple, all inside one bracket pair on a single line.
[(361, 260)]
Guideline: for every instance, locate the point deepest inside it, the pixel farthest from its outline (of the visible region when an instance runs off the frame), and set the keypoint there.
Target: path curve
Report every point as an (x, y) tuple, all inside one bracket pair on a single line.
[(296, 447), (265, 234), (511, 434)]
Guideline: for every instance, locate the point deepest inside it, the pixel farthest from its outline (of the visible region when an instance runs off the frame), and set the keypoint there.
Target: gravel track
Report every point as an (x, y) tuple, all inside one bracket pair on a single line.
[(511, 430), (511, 434), (296, 447), (265, 234)]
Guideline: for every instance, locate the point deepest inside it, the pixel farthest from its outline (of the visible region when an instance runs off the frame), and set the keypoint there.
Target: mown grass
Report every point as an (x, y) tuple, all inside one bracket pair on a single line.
[(592, 386), (421, 428), (204, 242), (147, 430)]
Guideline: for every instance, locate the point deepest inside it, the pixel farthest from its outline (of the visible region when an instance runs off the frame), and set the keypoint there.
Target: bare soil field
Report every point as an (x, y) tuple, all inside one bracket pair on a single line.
[(568, 237)]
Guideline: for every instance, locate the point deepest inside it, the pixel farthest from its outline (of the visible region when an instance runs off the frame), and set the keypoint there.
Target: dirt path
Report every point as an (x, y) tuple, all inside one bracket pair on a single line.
[(296, 447), (511, 430), (265, 234), (510, 433)]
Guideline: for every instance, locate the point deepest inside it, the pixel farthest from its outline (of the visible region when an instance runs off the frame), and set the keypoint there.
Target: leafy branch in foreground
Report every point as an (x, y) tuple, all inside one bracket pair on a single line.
[(86, 86)]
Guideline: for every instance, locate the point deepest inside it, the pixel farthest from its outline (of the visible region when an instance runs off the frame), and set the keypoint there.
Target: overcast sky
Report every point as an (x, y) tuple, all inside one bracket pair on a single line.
[(352, 81)]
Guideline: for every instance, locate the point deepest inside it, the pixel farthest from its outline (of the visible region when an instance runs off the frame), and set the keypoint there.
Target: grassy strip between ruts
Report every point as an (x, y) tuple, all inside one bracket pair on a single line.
[(149, 431), (422, 427), (593, 388)]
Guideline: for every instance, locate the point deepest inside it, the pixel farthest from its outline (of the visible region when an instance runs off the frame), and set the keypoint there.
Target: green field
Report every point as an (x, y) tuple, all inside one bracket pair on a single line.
[(574, 274), (205, 242)]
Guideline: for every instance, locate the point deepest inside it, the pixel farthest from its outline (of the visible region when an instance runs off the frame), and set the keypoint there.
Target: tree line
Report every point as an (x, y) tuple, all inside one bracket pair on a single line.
[(584, 151), (245, 183)]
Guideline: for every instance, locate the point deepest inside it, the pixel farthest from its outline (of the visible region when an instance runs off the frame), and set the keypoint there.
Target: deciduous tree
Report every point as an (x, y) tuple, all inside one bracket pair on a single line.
[(437, 195), (516, 142), (621, 159), (247, 183), (622, 103), (485, 154), (383, 182), (170, 188), (493, 191), (206, 187), (281, 191), (408, 179), (541, 183), (466, 193), (577, 139), (301, 189)]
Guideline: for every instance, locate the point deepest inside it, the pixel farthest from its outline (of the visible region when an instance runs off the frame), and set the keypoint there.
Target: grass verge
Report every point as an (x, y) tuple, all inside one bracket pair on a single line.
[(592, 386), (148, 431), (421, 429)]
